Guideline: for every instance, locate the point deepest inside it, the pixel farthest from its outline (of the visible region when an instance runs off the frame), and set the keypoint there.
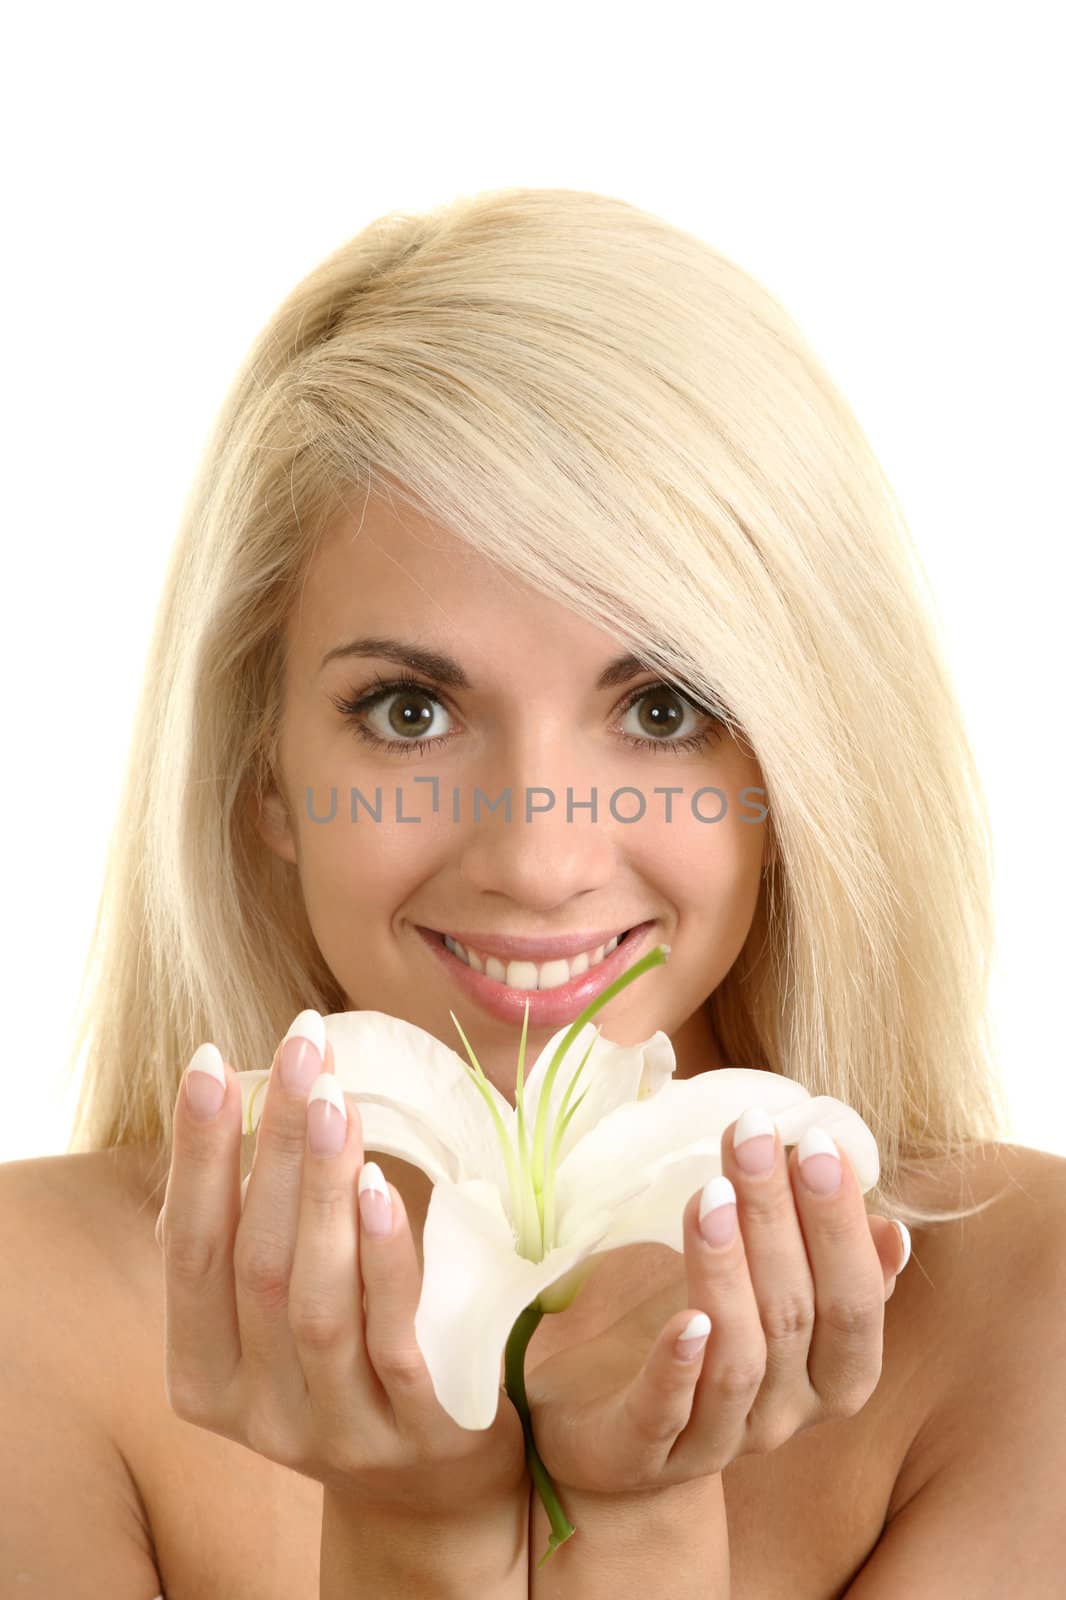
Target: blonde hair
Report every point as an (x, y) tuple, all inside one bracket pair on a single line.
[(620, 416)]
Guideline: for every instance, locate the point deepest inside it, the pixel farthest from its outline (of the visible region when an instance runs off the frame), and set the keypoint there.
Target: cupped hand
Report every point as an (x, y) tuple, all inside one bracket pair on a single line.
[(795, 1300), (268, 1341)]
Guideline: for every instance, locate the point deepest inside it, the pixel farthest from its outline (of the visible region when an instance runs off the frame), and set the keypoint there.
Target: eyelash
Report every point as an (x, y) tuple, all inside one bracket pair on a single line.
[(355, 709)]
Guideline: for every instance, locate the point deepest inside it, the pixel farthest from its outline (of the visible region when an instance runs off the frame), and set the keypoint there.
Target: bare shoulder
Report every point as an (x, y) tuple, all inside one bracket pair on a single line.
[(86, 1334), (1012, 1237), (987, 1293), (73, 1236), (81, 1212), (69, 1260)]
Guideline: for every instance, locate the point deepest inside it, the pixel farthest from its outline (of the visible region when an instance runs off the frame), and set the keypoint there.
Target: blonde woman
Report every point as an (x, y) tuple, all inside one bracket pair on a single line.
[(537, 492)]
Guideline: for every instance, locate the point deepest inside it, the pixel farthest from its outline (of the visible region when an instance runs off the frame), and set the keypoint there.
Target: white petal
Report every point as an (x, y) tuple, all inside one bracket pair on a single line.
[(416, 1098), (474, 1286), (621, 1158), (387, 1128), (385, 1061), (655, 1214), (253, 1087), (613, 1075)]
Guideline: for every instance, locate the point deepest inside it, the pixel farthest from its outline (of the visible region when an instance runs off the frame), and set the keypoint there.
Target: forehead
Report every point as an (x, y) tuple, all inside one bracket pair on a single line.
[(385, 569)]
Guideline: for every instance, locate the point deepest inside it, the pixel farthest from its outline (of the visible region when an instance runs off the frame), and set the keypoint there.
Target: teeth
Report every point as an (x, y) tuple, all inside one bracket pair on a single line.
[(527, 974)]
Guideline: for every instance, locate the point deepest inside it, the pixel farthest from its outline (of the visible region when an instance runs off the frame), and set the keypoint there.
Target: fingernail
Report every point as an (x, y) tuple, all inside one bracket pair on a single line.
[(327, 1116), (303, 1052), (754, 1151), (905, 1237), (718, 1211), (691, 1340), (205, 1083), (819, 1163), (375, 1202)]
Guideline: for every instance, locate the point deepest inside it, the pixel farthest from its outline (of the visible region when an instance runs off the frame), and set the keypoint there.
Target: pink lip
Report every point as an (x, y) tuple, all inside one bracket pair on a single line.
[(548, 1008)]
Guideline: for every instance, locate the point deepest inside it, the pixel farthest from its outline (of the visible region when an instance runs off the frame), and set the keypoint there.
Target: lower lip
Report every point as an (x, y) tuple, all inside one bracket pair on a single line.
[(548, 1008)]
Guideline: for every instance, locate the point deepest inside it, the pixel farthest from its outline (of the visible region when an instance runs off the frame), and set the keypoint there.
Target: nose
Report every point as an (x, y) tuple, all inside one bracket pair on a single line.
[(551, 851)]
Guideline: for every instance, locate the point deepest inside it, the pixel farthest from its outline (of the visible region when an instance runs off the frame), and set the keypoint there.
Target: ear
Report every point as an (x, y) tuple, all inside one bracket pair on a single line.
[(271, 820)]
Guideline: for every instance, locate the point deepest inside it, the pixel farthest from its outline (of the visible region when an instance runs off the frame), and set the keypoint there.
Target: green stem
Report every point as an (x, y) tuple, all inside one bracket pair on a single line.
[(514, 1363)]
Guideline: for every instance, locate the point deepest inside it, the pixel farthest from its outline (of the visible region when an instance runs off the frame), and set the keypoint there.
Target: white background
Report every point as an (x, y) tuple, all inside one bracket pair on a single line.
[(892, 173)]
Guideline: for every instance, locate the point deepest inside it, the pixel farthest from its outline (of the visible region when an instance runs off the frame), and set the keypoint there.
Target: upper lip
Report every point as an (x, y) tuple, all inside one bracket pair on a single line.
[(557, 948)]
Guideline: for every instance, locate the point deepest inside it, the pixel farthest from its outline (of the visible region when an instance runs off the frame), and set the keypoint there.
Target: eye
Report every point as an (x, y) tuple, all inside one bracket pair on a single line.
[(663, 709), (405, 715), (408, 717)]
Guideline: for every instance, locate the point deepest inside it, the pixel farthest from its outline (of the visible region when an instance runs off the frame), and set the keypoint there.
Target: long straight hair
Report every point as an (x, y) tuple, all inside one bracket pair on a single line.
[(620, 416)]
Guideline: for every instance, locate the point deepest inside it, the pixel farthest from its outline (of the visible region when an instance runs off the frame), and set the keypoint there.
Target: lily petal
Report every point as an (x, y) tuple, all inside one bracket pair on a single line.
[(418, 1095), (415, 1098), (623, 1158), (387, 1128), (474, 1287)]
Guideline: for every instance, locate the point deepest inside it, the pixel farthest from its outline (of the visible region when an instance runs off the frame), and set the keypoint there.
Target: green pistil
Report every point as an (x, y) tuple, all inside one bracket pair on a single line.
[(514, 1176), (654, 958), (520, 1110)]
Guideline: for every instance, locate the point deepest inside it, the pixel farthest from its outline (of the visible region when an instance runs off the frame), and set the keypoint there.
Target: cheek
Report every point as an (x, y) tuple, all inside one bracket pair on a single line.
[(694, 857), (351, 872)]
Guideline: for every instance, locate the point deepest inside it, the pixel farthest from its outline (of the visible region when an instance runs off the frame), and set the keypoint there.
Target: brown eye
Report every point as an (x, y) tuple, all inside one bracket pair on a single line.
[(661, 711), (409, 713), (401, 707)]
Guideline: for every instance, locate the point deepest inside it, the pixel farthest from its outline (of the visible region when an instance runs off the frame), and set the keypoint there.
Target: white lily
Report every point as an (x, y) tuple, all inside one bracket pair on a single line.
[(526, 1196)]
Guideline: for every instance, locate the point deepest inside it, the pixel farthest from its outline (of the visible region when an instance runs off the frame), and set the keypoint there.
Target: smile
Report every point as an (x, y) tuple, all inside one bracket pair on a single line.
[(554, 991)]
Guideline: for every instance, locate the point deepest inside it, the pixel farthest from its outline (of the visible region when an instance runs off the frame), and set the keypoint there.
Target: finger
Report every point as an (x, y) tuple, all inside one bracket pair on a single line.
[(657, 1405), (753, 1159), (733, 1368), (196, 1231), (844, 1363), (393, 1283), (265, 1246), (325, 1290)]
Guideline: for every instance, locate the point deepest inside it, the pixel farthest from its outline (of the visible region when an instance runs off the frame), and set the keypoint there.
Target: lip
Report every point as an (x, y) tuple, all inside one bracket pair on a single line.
[(548, 1008)]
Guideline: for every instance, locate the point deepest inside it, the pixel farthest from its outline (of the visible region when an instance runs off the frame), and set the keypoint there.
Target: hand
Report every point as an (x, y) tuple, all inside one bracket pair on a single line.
[(267, 1338), (796, 1304)]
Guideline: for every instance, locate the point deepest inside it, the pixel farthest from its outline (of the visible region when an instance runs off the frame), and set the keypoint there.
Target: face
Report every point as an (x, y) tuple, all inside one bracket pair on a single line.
[(531, 717)]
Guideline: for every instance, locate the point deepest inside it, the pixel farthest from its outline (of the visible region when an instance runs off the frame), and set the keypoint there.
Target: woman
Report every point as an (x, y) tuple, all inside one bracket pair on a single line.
[(476, 458)]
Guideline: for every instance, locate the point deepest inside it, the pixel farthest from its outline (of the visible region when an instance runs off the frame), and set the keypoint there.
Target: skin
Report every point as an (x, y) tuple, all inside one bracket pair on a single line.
[(533, 718)]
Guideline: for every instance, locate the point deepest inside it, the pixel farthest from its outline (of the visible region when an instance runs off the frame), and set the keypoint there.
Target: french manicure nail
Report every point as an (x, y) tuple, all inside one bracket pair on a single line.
[(718, 1211), (327, 1116), (205, 1082), (303, 1052), (819, 1162), (375, 1201), (905, 1237), (753, 1150), (692, 1338)]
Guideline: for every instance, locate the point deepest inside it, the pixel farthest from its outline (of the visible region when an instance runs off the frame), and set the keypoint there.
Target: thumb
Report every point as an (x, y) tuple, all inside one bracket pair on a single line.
[(658, 1403)]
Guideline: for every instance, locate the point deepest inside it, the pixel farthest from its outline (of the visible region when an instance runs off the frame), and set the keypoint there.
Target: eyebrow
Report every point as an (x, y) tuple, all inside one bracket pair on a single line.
[(434, 664)]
